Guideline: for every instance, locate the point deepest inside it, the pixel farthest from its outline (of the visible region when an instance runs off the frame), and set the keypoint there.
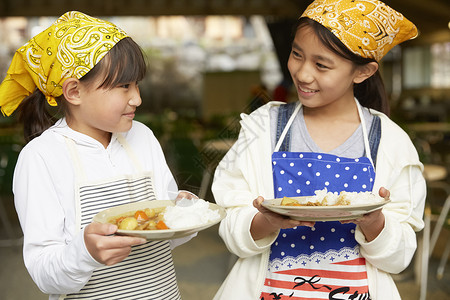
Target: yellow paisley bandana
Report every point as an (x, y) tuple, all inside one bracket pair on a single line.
[(70, 47), (369, 28)]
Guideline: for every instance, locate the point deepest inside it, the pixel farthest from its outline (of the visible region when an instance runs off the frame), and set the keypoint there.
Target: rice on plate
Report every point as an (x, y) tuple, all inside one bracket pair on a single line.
[(344, 198), (189, 212)]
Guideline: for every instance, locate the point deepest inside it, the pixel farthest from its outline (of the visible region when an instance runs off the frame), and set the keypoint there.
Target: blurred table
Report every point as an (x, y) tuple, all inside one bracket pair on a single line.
[(434, 172), (430, 126), (432, 141)]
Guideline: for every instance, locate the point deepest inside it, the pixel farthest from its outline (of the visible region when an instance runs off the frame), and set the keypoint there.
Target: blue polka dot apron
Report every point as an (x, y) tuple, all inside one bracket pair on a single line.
[(322, 262)]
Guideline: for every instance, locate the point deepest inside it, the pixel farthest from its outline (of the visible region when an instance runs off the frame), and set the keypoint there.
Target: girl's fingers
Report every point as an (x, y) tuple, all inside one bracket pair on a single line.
[(112, 256), (307, 223), (293, 223), (111, 249), (101, 229), (117, 242), (105, 247), (106, 230), (278, 220), (257, 202), (383, 192)]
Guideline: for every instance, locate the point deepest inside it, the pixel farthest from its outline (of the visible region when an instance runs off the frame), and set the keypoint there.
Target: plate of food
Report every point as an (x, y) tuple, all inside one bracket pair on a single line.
[(326, 206), (162, 219)]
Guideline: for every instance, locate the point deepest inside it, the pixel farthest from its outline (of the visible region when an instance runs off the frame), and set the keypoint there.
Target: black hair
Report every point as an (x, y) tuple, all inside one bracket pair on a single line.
[(124, 63), (371, 92)]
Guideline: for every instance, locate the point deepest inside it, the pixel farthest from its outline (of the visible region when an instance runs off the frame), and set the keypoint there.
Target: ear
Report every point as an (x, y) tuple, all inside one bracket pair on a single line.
[(365, 72), (71, 91)]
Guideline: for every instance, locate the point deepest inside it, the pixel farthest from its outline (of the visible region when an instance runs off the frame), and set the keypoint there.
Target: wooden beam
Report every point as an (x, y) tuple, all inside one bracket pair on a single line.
[(429, 15), (152, 7)]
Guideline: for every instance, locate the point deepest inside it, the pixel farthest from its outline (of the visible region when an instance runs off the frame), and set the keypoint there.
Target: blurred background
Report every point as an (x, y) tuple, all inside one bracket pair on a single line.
[(210, 60)]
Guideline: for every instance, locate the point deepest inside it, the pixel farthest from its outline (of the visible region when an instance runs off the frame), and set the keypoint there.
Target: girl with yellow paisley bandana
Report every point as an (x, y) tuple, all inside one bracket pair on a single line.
[(94, 157), (338, 137)]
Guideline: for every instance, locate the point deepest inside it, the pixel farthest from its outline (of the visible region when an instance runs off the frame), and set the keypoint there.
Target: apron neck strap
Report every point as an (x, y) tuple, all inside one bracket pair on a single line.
[(79, 170), (288, 125), (364, 130), (361, 117), (129, 151)]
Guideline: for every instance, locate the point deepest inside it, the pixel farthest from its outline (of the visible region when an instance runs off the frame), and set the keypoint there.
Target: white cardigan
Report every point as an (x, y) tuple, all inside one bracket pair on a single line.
[(54, 250), (246, 173)]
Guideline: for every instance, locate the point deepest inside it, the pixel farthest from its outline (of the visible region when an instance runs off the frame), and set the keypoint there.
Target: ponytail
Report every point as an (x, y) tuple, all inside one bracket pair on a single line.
[(34, 114)]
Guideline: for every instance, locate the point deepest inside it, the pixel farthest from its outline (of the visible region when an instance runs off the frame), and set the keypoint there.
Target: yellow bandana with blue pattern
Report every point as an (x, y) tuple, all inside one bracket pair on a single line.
[(70, 47), (369, 28)]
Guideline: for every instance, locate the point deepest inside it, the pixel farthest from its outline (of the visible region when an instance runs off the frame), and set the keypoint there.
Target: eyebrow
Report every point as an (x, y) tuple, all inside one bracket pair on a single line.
[(317, 57)]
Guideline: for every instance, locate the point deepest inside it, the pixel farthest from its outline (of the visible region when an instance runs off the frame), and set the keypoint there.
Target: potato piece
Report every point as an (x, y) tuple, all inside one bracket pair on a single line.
[(129, 223), (289, 202), (150, 212), (151, 225)]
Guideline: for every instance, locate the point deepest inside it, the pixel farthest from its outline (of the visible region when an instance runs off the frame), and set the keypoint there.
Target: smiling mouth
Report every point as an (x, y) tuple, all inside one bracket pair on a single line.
[(304, 90)]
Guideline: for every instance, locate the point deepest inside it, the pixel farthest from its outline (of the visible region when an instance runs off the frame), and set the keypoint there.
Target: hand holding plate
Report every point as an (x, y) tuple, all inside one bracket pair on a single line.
[(106, 248), (372, 223), (266, 222)]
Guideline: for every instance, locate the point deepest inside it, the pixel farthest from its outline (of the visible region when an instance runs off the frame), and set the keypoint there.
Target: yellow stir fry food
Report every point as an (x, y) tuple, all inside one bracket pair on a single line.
[(341, 200), (146, 219), (291, 202)]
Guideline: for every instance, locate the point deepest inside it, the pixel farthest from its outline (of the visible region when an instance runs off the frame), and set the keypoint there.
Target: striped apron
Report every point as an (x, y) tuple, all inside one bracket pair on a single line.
[(322, 262), (148, 272)]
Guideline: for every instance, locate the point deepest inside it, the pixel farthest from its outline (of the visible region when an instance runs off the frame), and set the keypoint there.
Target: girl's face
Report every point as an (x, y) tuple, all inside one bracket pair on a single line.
[(322, 78), (103, 111)]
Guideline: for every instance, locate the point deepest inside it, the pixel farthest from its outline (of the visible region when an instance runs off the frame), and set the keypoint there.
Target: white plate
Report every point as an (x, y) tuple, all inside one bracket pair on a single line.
[(321, 213), (153, 235)]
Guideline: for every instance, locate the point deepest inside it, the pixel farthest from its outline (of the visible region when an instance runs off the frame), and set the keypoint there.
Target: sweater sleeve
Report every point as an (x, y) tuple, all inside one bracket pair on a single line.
[(398, 170), (57, 262), (232, 190), (394, 247)]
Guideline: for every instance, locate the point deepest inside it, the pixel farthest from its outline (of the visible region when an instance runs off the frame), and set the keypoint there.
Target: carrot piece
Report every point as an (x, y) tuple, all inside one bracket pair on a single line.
[(140, 215), (161, 225)]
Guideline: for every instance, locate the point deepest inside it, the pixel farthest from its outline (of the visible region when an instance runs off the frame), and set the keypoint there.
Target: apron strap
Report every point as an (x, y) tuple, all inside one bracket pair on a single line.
[(374, 138), (79, 170), (129, 151), (286, 116), (284, 113), (365, 134)]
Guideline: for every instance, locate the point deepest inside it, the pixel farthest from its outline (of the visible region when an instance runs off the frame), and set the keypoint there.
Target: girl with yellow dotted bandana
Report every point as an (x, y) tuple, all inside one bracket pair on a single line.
[(336, 136), (93, 158)]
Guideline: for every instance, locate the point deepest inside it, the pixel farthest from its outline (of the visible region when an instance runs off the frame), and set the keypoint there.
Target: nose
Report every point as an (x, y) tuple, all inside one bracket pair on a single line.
[(135, 99), (303, 73)]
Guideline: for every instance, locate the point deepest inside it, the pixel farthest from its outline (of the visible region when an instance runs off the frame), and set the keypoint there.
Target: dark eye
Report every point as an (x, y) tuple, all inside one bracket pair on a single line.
[(320, 66), (125, 86), (295, 53)]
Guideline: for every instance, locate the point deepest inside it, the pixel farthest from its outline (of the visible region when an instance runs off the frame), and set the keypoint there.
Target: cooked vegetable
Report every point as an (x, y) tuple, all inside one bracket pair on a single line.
[(289, 202), (128, 223), (144, 219), (150, 212), (161, 225), (140, 215)]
